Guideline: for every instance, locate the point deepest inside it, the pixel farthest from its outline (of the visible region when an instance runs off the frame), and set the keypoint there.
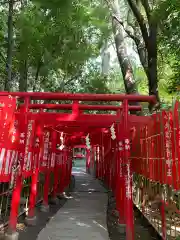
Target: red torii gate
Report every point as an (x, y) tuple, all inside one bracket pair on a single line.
[(76, 122)]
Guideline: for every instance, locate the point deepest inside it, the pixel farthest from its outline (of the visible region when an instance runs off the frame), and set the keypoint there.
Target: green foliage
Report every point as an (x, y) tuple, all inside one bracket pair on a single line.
[(56, 44), (54, 40), (169, 41)]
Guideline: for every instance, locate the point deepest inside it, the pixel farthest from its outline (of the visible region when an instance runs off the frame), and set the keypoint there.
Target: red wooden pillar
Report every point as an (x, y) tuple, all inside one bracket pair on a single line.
[(106, 153), (120, 180), (22, 127), (46, 157), (88, 160), (60, 161), (103, 157), (99, 162), (69, 160), (63, 171), (110, 159), (163, 220), (65, 175), (69, 166), (113, 165), (92, 160), (56, 168), (66, 169), (96, 162), (128, 175), (31, 219), (114, 168)]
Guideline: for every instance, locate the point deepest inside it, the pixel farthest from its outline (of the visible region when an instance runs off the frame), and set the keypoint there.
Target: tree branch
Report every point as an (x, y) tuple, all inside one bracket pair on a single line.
[(70, 80), (129, 33), (141, 21), (147, 8), (7, 2), (140, 48)]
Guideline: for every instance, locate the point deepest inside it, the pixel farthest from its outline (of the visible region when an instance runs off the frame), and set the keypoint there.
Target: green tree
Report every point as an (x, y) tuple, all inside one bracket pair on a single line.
[(169, 40), (54, 40)]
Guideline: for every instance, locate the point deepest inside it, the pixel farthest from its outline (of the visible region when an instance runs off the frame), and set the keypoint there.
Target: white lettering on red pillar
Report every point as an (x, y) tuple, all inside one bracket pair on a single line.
[(120, 155), (22, 138), (46, 148), (27, 160), (128, 177), (128, 182), (36, 153), (127, 144), (14, 131), (168, 147), (16, 170), (53, 154), (13, 158), (113, 134), (22, 145)]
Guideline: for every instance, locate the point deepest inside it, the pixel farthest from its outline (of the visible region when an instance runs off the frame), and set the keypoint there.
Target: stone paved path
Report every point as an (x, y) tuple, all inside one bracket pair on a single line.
[(84, 216)]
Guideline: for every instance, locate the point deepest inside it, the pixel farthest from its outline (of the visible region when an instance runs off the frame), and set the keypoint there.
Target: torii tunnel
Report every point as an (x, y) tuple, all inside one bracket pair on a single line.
[(30, 133)]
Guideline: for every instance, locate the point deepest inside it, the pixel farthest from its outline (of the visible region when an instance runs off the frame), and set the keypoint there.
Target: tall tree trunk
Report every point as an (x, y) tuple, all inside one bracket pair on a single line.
[(23, 86), (152, 63), (8, 80), (124, 62), (39, 65), (148, 38), (123, 58), (105, 56)]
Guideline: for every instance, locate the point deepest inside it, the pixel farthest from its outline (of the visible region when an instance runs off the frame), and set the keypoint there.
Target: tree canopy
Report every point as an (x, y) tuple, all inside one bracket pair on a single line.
[(69, 46)]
